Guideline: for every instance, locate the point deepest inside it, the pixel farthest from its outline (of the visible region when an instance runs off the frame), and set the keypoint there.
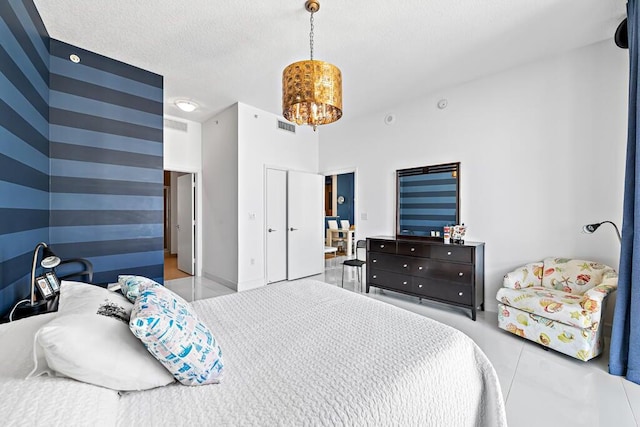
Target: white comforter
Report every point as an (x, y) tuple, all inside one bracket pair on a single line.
[(297, 353), (308, 353)]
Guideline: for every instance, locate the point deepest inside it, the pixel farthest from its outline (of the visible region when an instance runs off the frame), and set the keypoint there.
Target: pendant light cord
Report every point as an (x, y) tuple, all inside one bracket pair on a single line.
[(311, 36)]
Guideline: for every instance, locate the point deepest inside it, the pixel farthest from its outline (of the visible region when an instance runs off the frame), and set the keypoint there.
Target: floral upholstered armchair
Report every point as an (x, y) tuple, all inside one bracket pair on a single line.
[(558, 303)]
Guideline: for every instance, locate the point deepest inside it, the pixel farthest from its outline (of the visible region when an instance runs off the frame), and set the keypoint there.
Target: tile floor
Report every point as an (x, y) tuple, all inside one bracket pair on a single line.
[(541, 388)]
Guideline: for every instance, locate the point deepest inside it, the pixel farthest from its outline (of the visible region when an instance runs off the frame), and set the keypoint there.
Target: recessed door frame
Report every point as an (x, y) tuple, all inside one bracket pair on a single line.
[(354, 170), (198, 211)]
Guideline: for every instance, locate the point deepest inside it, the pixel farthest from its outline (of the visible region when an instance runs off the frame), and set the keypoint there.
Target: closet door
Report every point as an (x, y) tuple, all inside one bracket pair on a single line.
[(305, 212), (276, 225)]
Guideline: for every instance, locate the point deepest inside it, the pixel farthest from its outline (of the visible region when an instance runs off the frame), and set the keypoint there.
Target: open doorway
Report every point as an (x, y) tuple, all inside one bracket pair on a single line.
[(179, 224), (340, 212)]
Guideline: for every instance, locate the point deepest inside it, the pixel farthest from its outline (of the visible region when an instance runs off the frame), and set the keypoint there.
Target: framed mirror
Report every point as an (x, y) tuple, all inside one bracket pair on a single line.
[(427, 199)]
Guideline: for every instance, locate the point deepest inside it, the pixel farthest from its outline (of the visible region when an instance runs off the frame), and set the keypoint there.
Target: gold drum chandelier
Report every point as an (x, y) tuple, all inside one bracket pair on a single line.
[(312, 90)]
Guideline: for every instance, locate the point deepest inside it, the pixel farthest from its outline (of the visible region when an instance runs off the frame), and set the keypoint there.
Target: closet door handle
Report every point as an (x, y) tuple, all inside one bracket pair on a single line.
[(293, 229), (271, 230)]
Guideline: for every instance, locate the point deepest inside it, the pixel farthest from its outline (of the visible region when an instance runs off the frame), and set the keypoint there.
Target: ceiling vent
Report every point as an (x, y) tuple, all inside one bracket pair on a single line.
[(289, 127), (174, 124)]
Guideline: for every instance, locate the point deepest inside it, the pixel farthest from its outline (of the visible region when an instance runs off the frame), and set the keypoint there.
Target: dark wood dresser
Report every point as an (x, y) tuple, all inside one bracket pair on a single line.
[(451, 274)]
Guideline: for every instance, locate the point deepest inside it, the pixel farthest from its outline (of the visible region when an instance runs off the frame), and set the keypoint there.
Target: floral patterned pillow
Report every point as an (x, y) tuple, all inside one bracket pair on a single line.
[(172, 333)]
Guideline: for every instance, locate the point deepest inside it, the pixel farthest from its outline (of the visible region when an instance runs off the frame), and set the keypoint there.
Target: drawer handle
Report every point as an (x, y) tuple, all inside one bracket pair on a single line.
[(461, 274), (381, 246), (375, 260), (404, 283), (449, 253), (413, 249), (419, 286), (375, 277), (460, 293), (419, 268), (405, 266)]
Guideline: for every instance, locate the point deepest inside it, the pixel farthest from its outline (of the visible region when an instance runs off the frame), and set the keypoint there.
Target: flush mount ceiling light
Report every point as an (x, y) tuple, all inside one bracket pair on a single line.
[(312, 90), (186, 106)]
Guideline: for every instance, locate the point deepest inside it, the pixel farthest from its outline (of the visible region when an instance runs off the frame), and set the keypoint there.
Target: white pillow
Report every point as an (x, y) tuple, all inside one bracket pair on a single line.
[(90, 341)]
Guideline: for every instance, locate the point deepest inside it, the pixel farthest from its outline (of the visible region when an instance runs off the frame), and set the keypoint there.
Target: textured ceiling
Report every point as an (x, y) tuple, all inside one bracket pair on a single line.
[(221, 52)]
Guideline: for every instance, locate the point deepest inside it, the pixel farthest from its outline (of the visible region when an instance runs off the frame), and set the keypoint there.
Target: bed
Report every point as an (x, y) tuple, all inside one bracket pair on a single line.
[(296, 353)]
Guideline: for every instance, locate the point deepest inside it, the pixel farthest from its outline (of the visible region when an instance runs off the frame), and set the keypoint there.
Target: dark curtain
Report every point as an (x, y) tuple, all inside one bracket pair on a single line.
[(624, 354)]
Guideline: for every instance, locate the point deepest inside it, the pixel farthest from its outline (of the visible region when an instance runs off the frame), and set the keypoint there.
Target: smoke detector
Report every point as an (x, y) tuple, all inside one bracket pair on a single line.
[(390, 119)]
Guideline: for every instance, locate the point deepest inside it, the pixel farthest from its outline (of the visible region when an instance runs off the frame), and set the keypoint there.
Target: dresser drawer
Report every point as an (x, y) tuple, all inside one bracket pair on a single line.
[(383, 246), (447, 271), (442, 290), (387, 279), (389, 262), (413, 249), (452, 253)]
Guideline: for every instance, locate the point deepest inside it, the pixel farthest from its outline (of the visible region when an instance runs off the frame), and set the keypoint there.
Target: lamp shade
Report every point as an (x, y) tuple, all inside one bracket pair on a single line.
[(49, 259), (312, 93)]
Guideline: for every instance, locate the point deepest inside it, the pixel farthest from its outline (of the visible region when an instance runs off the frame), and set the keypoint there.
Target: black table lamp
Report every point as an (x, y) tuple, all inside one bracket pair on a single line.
[(49, 260), (590, 228)]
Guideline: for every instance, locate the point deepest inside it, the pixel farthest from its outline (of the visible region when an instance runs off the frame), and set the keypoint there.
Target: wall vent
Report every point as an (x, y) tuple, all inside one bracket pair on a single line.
[(289, 127), (174, 124)]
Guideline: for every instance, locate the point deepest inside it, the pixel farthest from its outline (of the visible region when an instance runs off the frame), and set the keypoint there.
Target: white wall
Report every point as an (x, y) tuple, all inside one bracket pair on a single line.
[(541, 147), (183, 150), (261, 144), (183, 153), (238, 145), (220, 197)]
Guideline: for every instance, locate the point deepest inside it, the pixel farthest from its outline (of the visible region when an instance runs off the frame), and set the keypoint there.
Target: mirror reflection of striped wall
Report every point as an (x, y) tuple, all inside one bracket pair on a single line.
[(428, 199)]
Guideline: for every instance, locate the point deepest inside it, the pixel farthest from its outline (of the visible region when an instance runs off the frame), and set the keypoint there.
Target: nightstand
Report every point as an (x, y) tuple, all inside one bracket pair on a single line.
[(25, 310)]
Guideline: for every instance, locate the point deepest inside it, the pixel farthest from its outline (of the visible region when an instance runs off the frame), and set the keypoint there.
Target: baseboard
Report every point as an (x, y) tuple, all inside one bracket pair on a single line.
[(231, 285), (251, 284)]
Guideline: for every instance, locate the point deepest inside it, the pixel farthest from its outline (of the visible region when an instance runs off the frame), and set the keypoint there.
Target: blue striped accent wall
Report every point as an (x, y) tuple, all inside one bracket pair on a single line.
[(106, 195), (24, 145), (80, 157)]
